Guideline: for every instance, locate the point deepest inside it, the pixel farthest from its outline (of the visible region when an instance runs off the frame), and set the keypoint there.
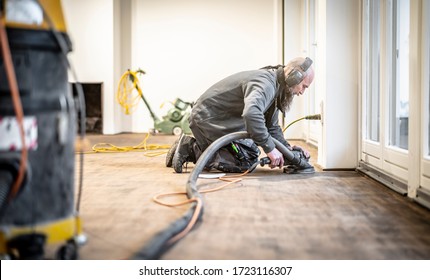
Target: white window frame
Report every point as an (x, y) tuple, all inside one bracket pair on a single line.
[(378, 154), (425, 97)]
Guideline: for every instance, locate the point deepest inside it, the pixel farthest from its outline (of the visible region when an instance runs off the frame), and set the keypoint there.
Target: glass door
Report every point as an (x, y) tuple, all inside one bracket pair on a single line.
[(399, 90), (312, 128), (425, 126), (371, 115), (386, 85)]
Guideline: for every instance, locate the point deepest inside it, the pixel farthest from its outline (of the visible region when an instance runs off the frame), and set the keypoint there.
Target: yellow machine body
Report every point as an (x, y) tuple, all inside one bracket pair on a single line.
[(56, 232)]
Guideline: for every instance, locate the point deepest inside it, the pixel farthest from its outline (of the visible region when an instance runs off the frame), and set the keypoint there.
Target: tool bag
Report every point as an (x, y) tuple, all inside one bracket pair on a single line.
[(237, 157)]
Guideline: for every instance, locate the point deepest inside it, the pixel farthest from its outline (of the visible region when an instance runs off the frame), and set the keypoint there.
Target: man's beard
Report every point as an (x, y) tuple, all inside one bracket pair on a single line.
[(286, 100)]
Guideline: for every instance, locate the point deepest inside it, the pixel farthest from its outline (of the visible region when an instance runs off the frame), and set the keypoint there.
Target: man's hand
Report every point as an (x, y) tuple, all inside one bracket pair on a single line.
[(305, 153), (276, 158)]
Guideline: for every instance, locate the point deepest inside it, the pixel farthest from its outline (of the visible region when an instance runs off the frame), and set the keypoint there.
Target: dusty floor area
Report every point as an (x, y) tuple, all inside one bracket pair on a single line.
[(268, 215)]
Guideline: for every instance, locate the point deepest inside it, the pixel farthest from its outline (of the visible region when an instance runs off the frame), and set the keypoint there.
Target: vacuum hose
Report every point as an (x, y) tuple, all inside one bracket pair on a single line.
[(160, 243)]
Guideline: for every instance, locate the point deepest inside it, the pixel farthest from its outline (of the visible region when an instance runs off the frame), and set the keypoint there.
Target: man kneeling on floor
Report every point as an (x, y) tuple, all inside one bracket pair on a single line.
[(246, 101)]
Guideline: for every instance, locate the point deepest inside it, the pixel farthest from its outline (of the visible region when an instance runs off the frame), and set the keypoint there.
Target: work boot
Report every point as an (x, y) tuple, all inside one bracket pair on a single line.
[(171, 153), (184, 153)]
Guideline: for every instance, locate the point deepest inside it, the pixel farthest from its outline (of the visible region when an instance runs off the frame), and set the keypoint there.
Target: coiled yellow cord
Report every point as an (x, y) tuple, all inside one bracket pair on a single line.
[(149, 150), (129, 93)]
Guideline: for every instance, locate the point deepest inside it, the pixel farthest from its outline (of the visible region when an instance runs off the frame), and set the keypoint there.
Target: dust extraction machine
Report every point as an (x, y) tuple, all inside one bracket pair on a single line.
[(37, 133)]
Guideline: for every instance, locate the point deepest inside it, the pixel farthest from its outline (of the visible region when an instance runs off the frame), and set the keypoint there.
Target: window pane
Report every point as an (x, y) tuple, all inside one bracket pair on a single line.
[(399, 93), (372, 92)]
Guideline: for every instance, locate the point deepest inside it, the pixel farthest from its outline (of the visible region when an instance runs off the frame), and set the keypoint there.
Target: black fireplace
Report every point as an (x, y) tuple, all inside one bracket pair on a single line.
[(93, 93)]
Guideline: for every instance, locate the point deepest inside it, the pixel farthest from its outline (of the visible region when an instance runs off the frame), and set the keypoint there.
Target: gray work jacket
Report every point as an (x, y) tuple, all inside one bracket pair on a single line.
[(245, 101)]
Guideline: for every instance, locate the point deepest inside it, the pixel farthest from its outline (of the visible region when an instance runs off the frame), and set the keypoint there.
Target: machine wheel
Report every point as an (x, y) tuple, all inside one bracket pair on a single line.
[(69, 251), (177, 131)]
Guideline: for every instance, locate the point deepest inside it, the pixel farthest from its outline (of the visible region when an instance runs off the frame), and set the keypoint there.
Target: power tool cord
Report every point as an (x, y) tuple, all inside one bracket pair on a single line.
[(17, 105), (157, 149), (309, 117), (229, 179)]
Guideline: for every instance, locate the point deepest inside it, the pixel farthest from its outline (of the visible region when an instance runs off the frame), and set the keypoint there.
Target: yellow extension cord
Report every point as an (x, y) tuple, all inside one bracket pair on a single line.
[(129, 93), (149, 150)]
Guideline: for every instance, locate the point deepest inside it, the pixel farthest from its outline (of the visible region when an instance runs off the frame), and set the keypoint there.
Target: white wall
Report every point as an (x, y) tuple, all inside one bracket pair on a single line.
[(294, 47), (293, 29), (90, 27), (123, 25), (186, 46), (337, 74)]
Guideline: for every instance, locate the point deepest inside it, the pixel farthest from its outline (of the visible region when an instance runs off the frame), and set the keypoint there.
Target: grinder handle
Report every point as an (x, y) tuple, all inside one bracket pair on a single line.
[(264, 161)]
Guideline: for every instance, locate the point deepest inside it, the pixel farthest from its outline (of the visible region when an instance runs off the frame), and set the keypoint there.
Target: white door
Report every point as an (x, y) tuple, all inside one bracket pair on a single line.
[(312, 128), (424, 190), (386, 87), (395, 93)]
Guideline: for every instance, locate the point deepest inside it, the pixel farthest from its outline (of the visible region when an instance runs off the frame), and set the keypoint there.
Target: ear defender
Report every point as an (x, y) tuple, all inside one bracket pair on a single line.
[(297, 75)]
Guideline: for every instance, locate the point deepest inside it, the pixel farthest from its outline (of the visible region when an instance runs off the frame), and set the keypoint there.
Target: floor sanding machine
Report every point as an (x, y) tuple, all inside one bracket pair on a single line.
[(174, 122)]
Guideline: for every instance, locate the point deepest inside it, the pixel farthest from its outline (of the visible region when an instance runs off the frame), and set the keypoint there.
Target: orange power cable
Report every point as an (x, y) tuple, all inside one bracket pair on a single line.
[(13, 85), (197, 200)]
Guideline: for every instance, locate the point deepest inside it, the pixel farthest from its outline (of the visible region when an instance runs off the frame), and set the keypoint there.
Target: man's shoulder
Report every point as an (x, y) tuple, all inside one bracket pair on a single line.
[(257, 74)]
